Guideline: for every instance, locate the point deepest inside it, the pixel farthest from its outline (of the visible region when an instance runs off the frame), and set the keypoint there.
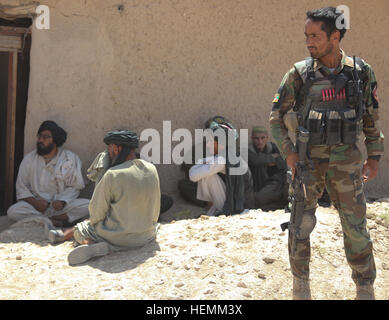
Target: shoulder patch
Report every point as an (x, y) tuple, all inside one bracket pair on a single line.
[(276, 97), (374, 93)]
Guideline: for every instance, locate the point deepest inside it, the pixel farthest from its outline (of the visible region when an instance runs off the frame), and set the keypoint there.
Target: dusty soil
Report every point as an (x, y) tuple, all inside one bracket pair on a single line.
[(235, 257)]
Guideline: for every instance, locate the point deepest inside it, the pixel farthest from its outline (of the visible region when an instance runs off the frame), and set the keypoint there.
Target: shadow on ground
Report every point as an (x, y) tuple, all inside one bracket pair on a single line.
[(121, 261), (181, 210)]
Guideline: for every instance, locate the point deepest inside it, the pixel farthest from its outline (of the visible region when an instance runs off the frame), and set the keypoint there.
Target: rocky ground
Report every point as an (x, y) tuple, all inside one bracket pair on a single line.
[(194, 257)]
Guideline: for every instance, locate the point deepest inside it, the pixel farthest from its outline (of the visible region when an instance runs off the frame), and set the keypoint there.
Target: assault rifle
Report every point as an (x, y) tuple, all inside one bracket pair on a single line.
[(298, 185)]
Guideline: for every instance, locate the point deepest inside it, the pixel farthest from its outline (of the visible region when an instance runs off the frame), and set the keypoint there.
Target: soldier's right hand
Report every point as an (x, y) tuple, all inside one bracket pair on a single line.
[(370, 166), (291, 161)]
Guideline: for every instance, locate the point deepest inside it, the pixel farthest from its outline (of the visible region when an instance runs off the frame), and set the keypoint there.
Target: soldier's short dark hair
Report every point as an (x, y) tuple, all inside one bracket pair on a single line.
[(328, 16)]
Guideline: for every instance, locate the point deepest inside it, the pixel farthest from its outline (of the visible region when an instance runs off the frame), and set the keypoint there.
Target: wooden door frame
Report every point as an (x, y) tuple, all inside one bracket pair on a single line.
[(11, 124), (10, 139)]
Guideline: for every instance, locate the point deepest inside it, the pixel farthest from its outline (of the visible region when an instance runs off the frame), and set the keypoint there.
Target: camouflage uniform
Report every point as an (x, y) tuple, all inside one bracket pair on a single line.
[(336, 167)]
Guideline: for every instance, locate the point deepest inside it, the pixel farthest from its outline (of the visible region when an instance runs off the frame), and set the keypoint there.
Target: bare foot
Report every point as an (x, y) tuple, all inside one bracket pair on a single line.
[(88, 241)]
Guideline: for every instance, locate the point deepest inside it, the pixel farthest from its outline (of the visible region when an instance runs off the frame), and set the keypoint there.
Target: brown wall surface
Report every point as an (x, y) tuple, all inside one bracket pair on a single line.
[(100, 68)]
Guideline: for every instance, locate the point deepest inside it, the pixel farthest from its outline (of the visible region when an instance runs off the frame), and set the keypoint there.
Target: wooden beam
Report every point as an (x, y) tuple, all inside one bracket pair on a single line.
[(12, 38), (14, 30), (11, 42), (11, 123)]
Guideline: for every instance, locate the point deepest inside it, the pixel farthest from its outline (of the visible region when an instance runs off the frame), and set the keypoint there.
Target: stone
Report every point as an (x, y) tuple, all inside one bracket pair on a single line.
[(242, 271), (268, 260)]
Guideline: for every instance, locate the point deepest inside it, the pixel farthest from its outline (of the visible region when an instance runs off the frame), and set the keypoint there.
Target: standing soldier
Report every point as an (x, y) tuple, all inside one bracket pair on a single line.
[(334, 97)]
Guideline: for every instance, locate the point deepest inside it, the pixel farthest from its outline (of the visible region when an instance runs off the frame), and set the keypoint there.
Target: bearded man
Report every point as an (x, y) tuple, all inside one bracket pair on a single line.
[(125, 204), (49, 181)]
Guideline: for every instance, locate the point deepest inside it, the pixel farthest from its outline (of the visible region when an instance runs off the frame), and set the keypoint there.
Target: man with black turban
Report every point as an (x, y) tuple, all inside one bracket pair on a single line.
[(125, 204), (49, 181), (103, 162), (220, 183)]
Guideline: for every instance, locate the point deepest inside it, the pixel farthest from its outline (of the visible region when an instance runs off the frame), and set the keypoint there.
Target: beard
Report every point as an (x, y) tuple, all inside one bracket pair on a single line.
[(112, 160), (327, 51), (41, 150), (121, 157)]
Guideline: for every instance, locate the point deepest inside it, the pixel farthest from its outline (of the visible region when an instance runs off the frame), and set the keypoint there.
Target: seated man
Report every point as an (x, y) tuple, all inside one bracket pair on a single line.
[(49, 181), (188, 188), (227, 192), (101, 164), (125, 204), (269, 172)]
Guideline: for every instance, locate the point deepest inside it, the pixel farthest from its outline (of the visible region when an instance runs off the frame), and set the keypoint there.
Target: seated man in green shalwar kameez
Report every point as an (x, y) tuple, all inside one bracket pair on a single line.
[(125, 204)]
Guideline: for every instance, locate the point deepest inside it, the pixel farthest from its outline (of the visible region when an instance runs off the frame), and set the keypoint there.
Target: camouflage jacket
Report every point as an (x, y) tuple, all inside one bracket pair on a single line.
[(285, 100)]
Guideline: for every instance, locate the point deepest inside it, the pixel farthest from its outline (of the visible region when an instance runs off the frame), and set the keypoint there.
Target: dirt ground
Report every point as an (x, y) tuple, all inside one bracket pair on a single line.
[(194, 257)]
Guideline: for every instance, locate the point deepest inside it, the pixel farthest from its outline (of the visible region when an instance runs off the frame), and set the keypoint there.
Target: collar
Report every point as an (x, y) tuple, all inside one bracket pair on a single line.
[(344, 61)]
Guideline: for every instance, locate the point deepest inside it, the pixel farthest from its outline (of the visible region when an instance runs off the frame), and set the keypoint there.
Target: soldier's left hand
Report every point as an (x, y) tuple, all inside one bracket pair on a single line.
[(371, 167)]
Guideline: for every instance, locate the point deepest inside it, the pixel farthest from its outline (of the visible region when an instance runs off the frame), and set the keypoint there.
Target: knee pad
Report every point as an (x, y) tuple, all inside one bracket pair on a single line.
[(308, 223)]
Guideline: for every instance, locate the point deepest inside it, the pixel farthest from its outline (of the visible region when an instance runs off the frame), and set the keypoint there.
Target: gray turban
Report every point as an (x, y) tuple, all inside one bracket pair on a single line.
[(125, 138), (122, 137)]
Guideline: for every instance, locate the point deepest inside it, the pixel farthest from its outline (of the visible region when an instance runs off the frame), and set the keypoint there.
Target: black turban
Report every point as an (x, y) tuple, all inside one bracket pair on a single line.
[(217, 119), (122, 137), (227, 127), (59, 134)]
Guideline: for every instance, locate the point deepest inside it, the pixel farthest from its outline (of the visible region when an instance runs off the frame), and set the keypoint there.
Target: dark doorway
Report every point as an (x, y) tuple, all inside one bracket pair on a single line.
[(15, 44)]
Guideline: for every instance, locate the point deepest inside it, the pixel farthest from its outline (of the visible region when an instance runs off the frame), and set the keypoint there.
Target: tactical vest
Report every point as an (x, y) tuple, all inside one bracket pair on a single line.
[(329, 106)]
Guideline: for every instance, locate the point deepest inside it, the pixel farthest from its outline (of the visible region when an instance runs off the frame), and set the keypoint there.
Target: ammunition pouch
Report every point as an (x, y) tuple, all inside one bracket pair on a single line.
[(331, 106), (330, 125)]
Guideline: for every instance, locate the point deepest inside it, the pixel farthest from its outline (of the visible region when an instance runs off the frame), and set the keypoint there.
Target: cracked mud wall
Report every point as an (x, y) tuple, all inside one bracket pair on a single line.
[(134, 63)]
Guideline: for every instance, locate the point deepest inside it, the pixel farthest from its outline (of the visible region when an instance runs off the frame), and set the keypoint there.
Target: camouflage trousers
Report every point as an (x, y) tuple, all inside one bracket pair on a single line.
[(338, 169)]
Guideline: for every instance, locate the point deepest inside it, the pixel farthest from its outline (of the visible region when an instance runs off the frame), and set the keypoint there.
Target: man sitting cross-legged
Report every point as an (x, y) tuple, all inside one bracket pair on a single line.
[(49, 181), (220, 182), (125, 204), (269, 172)]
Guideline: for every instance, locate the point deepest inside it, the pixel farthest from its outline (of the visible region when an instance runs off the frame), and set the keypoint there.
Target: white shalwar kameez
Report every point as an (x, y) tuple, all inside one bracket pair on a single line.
[(59, 179), (210, 187)]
